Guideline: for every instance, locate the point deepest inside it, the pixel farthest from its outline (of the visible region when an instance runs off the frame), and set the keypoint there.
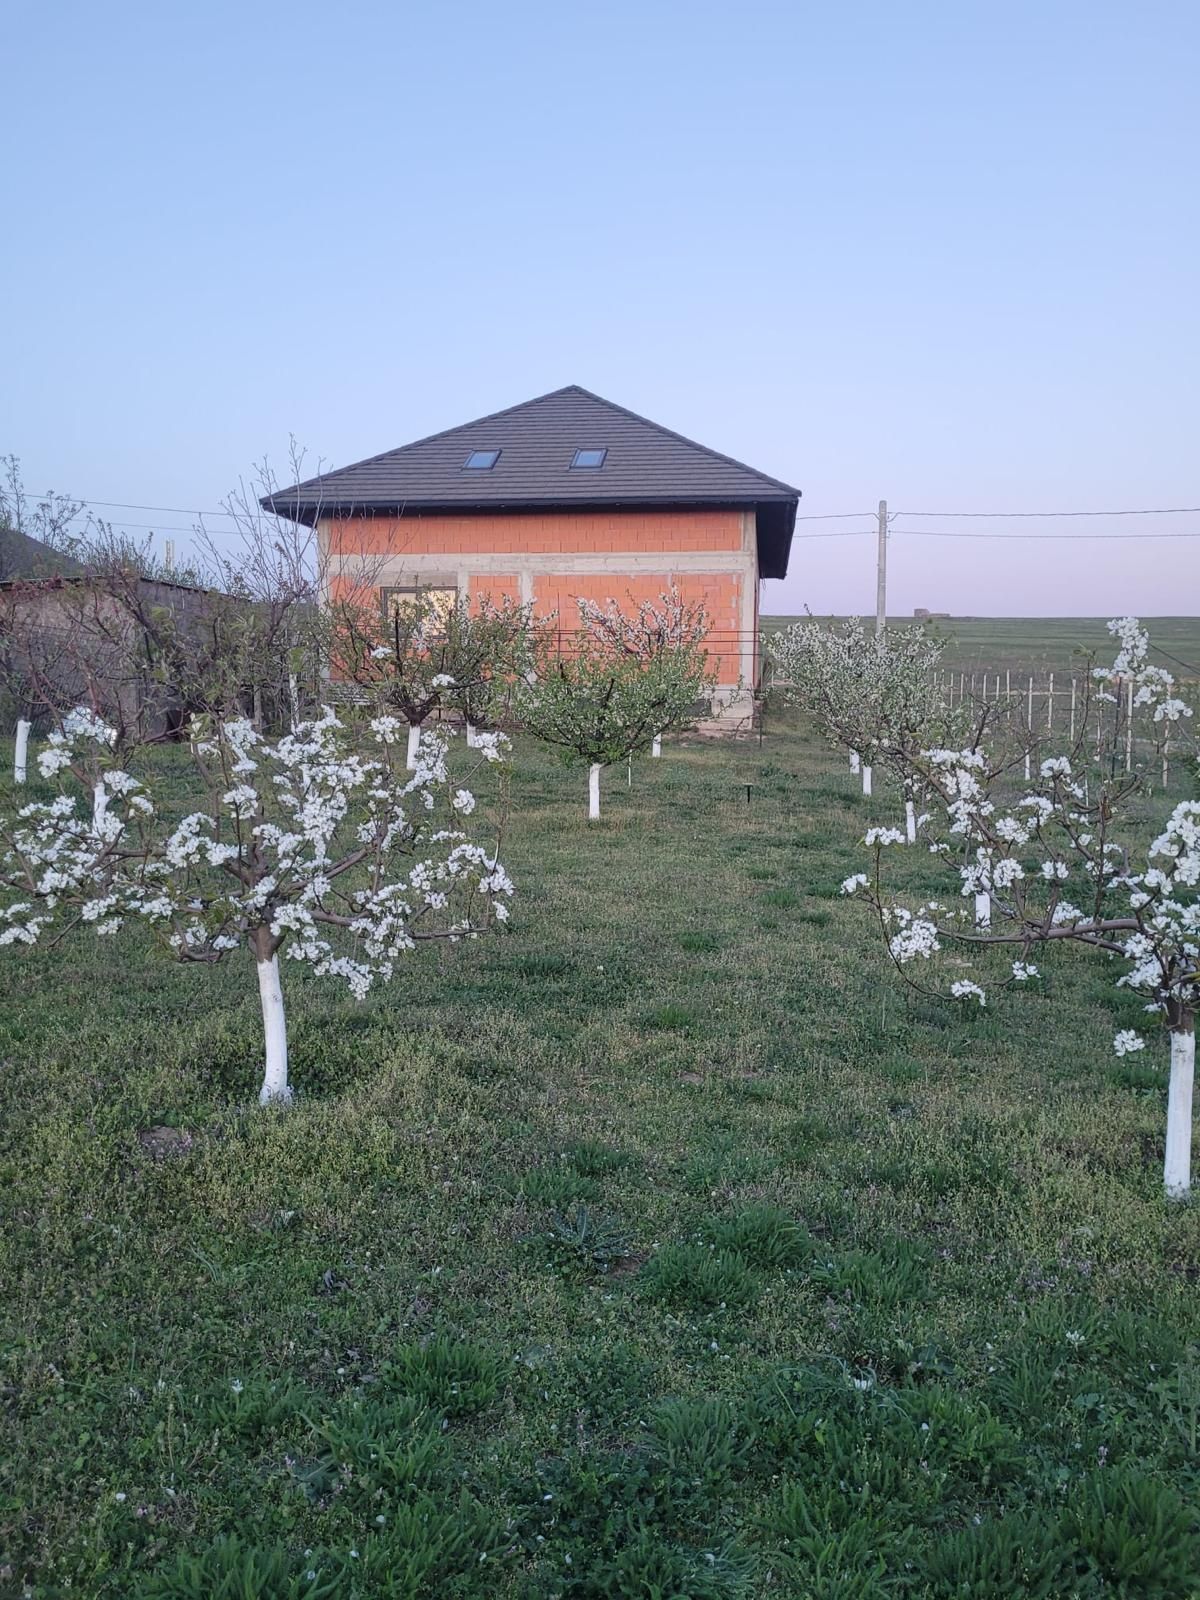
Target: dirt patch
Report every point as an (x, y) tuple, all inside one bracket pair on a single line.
[(165, 1144)]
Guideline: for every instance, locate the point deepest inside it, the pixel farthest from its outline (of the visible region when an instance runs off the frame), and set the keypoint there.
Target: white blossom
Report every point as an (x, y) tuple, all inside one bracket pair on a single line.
[(964, 989), (1125, 1042)]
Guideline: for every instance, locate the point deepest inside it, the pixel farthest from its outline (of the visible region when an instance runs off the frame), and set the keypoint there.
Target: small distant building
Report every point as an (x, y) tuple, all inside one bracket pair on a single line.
[(920, 614), (70, 635), (561, 498)]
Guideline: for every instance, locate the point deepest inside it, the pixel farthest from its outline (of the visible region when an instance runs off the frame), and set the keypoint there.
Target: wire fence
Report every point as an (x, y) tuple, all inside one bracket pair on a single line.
[(1067, 705)]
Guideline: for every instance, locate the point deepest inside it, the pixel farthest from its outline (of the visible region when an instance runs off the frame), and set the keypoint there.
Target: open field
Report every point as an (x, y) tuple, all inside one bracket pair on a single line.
[(1049, 644), (663, 1248)]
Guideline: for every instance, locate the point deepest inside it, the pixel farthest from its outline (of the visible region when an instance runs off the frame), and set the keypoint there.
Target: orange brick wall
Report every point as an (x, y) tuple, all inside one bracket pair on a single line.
[(721, 593), (540, 554), (538, 533), (498, 586)]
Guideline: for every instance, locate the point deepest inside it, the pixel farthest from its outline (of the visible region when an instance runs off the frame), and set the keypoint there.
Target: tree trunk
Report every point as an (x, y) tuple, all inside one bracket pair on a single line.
[(275, 1089), (414, 739), (594, 792), (866, 777), (472, 735), (854, 761), (1177, 1166), (910, 822), (99, 806), (21, 752), (293, 700), (656, 747), (983, 910)]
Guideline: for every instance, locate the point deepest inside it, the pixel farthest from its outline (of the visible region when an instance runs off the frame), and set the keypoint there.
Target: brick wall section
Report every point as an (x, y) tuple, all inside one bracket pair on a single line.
[(553, 558), (496, 586), (538, 533), (720, 592)]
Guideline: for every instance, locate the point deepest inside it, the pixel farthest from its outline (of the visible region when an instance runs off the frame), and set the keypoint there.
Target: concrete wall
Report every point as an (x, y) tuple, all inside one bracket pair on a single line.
[(554, 558)]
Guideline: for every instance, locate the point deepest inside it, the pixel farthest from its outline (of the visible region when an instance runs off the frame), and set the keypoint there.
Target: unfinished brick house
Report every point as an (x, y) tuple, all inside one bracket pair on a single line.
[(563, 497)]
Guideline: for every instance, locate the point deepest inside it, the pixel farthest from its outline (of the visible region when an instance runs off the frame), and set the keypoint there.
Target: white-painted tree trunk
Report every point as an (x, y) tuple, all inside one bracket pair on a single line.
[(293, 700), (1027, 766), (983, 910), (21, 752), (1177, 1167), (99, 806), (656, 747), (594, 792), (866, 777), (910, 822), (472, 736), (275, 1089), (414, 739), (854, 761)]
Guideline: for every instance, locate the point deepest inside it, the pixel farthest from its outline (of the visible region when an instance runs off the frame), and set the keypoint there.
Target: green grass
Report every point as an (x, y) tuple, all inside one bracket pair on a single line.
[(1050, 644), (665, 1247)]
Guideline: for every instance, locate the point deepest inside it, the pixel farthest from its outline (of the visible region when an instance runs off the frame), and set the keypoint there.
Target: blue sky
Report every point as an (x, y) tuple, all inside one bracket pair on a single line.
[(944, 254)]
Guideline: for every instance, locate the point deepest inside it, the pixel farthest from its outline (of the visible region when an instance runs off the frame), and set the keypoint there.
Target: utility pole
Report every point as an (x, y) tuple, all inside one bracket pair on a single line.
[(881, 573)]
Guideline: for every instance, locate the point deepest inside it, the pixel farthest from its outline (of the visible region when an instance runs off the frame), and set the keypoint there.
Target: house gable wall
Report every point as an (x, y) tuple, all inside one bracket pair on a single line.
[(554, 558)]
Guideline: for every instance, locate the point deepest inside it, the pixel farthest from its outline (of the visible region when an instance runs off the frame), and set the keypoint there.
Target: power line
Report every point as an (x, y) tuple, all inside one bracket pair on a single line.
[(1146, 511), (130, 505), (85, 506), (934, 533), (834, 516), (1179, 662)]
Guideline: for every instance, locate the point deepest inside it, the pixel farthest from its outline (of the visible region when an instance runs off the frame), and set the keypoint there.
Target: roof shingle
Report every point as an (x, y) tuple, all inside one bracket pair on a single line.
[(645, 465)]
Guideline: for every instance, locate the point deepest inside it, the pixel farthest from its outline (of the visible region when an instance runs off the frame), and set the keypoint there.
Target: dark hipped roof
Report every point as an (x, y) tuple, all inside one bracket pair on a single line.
[(23, 556), (646, 465)]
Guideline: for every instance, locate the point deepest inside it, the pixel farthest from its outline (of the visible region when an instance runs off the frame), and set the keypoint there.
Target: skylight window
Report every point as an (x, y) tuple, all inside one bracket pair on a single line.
[(481, 460), (589, 458)]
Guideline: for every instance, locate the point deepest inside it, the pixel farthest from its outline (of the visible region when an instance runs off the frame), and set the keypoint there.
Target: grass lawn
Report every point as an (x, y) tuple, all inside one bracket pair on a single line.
[(664, 1248)]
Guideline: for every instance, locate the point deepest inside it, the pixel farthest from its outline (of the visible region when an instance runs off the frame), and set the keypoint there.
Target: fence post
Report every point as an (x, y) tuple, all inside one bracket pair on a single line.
[(1072, 733), (1050, 705)]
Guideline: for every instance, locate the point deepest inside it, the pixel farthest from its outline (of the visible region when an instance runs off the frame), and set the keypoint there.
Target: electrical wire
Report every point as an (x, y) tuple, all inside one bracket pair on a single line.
[(1147, 511), (933, 533), (834, 516), (131, 505)]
